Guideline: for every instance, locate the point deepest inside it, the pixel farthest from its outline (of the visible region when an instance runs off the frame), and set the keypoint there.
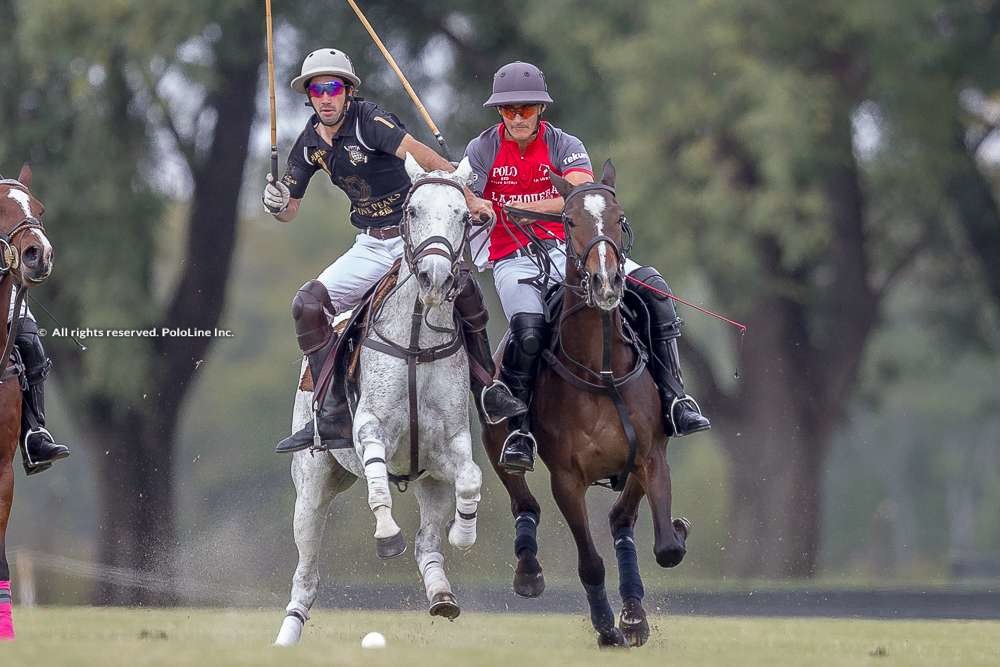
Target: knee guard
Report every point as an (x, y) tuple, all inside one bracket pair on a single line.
[(529, 336), (664, 324), (312, 311), (530, 333)]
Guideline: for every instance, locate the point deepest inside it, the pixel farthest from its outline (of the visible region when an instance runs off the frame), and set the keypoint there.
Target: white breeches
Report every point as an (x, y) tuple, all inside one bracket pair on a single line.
[(358, 269), (517, 297)]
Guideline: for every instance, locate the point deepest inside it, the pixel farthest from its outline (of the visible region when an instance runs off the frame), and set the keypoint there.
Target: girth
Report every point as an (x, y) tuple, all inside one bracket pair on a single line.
[(414, 355)]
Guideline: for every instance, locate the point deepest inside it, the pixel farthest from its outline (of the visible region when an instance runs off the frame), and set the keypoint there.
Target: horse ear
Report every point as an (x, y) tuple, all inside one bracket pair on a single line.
[(25, 176), (464, 171), (413, 169), (562, 185), (608, 173)]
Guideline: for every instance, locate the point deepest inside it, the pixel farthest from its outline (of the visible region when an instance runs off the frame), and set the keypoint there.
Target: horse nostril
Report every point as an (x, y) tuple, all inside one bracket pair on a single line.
[(424, 278), (31, 256)]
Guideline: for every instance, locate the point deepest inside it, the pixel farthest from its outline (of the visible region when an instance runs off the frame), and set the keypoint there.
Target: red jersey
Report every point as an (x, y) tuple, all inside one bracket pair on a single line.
[(503, 175)]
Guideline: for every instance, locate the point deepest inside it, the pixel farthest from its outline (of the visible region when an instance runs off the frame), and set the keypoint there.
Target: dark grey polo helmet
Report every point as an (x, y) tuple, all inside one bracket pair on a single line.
[(518, 83)]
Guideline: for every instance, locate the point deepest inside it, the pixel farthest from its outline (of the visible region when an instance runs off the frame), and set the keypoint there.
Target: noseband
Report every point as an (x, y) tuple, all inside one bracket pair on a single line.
[(10, 258), (412, 254)]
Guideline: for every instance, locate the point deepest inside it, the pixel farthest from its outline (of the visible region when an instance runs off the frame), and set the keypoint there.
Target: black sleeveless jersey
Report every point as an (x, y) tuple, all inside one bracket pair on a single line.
[(361, 162)]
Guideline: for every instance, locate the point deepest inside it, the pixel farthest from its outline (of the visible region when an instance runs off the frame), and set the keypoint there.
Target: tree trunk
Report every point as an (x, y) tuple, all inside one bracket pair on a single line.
[(137, 475), (776, 454)]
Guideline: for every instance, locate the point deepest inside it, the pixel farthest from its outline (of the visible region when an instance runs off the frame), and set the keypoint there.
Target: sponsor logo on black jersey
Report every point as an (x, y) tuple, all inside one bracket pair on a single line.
[(355, 155)]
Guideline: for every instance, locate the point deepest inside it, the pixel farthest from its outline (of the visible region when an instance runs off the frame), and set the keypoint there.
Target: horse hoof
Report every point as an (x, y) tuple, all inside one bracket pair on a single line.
[(445, 605), (634, 625), (614, 638), (682, 526), (390, 547), (529, 584)]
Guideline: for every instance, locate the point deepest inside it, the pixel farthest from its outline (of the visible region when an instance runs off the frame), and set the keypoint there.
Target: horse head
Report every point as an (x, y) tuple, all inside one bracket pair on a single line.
[(435, 229), (25, 251), (595, 224)]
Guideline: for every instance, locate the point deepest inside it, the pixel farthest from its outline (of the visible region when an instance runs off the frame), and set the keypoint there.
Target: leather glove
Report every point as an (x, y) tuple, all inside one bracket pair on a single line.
[(276, 196)]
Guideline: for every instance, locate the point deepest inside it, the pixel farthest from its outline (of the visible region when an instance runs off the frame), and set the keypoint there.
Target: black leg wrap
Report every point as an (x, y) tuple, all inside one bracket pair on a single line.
[(601, 615), (525, 534), (629, 581)]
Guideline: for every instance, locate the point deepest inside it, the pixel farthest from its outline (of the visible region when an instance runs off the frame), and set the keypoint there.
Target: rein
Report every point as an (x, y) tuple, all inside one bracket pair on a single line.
[(414, 354)]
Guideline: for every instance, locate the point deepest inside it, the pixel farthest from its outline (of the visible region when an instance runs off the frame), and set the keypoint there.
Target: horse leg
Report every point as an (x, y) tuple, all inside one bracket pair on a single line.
[(570, 494), (468, 482), (529, 581), (670, 534), (434, 499), (6, 497), (622, 518), (317, 480), (370, 442)]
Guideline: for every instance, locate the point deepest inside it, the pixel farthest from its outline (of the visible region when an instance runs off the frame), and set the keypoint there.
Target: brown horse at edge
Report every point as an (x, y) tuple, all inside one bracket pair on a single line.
[(581, 436), (25, 259)]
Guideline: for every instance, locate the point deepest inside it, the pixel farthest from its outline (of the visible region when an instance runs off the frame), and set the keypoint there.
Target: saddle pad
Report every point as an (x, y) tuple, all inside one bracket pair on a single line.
[(373, 302), (340, 323), (351, 326)]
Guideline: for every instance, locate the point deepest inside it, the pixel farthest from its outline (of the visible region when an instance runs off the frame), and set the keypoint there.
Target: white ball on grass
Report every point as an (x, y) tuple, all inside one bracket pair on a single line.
[(373, 640)]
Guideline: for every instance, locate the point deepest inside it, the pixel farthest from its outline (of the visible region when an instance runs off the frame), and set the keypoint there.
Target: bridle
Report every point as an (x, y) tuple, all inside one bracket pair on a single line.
[(430, 245), (579, 260), (10, 258)]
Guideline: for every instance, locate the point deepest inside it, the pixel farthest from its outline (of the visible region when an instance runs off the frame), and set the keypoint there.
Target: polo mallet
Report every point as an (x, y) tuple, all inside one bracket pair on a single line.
[(406, 84), (270, 88)]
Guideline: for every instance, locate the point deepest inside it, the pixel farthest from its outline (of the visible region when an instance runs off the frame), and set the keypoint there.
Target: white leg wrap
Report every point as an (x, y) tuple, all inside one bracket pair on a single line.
[(377, 476), (463, 531), (291, 627), (432, 569), (290, 633)]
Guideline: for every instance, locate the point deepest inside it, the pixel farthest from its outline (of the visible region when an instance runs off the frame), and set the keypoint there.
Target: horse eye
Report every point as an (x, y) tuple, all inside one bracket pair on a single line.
[(411, 210)]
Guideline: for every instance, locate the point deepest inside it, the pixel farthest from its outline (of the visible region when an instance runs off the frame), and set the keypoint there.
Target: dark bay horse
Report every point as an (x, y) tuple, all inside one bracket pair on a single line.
[(596, 415), (25, 260)]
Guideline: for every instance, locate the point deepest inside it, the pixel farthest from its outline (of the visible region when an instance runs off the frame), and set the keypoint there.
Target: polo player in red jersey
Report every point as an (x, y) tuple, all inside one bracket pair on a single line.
[(511, 161)]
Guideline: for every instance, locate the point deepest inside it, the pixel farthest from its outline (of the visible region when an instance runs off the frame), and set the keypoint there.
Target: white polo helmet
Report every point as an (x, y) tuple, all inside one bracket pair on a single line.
[(329, 62)]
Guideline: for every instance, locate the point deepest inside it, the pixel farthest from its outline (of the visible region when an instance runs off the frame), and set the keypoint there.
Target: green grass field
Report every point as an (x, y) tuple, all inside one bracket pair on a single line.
[(111, 637)]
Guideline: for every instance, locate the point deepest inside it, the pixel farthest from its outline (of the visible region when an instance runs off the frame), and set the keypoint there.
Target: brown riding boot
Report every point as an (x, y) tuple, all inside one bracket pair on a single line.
[(313, 312)]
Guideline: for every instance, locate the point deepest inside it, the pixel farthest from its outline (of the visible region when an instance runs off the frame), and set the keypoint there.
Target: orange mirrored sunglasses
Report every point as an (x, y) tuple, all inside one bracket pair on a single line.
[(510, 111)]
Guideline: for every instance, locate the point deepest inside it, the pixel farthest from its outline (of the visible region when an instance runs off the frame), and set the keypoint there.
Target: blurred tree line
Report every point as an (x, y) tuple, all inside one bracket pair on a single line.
[(825, 174)]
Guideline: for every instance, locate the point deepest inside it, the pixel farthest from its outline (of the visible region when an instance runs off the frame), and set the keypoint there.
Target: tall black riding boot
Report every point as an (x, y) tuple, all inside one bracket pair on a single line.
[(681, 413), (38, 449), (494, 398), (529, 335), (313, 312)]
